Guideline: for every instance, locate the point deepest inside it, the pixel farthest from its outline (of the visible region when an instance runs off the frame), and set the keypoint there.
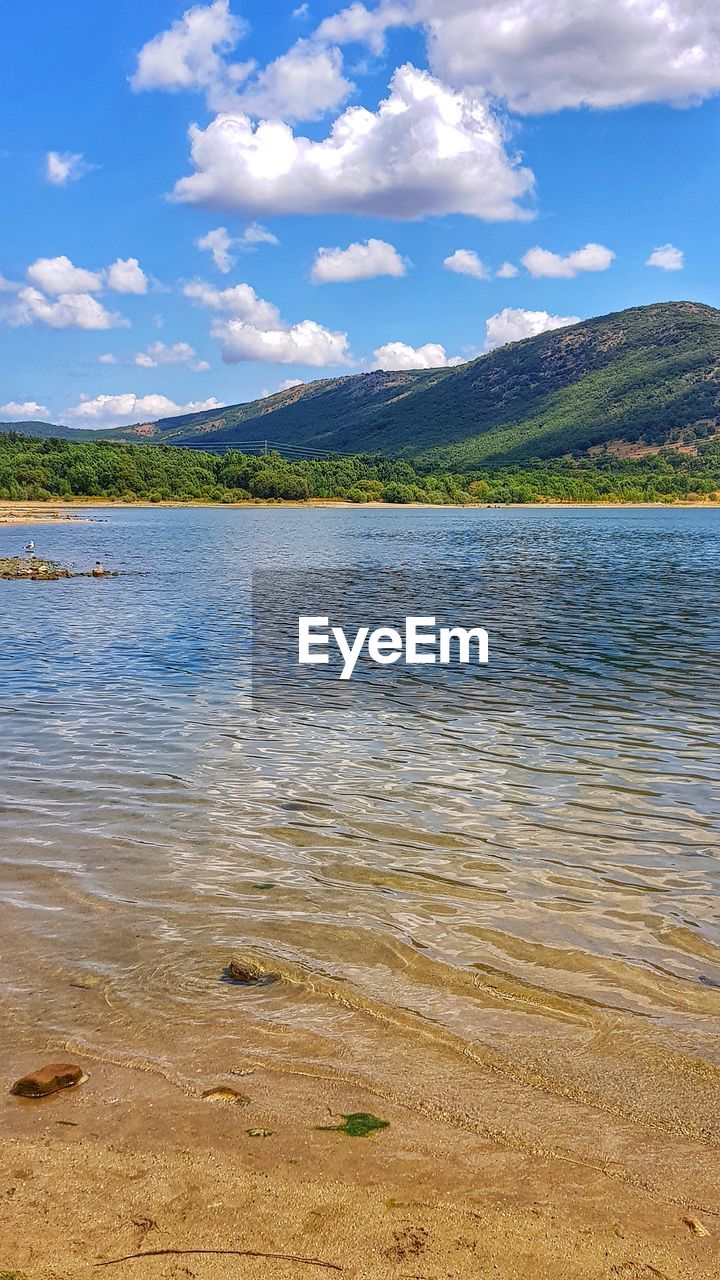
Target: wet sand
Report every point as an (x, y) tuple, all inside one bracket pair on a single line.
[(130, 1164)]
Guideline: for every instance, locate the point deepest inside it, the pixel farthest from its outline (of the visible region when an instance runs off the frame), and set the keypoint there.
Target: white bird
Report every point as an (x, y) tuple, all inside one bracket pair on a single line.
[(30, 546)]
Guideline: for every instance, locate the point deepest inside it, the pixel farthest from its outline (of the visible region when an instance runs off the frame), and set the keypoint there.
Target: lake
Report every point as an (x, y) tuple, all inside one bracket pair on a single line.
[(513, 879)]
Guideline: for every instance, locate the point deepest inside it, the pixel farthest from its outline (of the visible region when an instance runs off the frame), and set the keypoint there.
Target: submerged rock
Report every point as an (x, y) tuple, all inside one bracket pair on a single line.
[(246, 973), (48, 1079), (221, 1093)]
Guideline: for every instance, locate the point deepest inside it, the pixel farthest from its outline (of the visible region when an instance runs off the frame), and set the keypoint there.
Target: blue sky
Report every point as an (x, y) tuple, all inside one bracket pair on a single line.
[(425, 143)]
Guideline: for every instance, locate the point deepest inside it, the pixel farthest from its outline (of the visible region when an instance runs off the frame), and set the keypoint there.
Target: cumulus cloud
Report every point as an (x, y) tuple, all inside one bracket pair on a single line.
[(62, 167), (541, 262), (219, 243), (357, 262), (303, 84), (305, 343), (399, 355), (289, 383), (465, 262), (107, 358), (60, 295), (513, 324), (249, 328), (69, 311), (426, 150), (241, 301), (58, 275), (28, 410), (543, 55), (552, 54), (192, 54), (179, 353), (667, 257), (127, 409), (358, 24), (127, 276), (507, 271)]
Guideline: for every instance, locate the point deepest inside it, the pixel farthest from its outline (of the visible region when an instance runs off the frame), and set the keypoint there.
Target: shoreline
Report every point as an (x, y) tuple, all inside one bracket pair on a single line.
[(132, 1163), (14, 513)]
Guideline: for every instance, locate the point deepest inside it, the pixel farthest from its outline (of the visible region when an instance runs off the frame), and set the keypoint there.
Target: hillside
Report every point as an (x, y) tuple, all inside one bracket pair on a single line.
[(650, 375)]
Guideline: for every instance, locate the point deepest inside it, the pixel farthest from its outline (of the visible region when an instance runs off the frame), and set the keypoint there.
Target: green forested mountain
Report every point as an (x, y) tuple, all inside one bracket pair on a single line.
[(650, 374)]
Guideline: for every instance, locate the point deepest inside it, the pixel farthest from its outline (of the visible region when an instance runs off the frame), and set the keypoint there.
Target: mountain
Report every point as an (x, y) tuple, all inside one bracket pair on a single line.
[(633, 380), (649, 375), (42, 430)]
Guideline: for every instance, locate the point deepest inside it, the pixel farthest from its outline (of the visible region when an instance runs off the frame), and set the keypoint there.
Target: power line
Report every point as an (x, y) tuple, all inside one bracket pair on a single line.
[(262, 447)]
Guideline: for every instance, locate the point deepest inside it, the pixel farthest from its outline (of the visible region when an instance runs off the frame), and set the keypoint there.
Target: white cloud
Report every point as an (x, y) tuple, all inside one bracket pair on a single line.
[(667, 257), (191, 54), (357, 24), (303, 84), (62, 167), (357, 262), (257, 234), (252, 329), (219, 243), (29, 410), (541, 262), (305, 343), (289, 383), (126, 276), (58, 275), (507, 271), (425, 151), (107, 358), (8, 286), (543, 55), (302, 12), (513, 324), (465, 262), (180, 353), (399, 355), (241, 302), (69, 311), (127, 409)]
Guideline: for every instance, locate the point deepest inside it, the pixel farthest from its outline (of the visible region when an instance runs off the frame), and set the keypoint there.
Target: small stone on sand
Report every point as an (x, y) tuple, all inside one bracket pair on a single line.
[(48, 1080)]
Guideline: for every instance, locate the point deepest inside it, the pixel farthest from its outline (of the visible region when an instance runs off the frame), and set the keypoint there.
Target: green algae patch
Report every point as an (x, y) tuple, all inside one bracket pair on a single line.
[(12, 1275), (359, 1124)]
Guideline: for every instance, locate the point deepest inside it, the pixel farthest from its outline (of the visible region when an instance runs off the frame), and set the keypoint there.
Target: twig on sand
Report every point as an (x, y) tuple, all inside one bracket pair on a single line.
[(224, 1253)]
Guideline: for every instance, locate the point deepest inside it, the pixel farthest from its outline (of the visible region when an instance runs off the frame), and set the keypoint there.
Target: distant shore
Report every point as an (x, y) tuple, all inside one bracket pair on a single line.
[(21, 512)]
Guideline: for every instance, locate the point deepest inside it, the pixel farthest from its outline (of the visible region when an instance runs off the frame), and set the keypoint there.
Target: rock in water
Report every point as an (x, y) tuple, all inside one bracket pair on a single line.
[(220, 1093), (48, 1080), (245, 972)]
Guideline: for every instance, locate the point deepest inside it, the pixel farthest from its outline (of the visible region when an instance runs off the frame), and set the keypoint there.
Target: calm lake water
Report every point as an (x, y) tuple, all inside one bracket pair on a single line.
[(514, 876)]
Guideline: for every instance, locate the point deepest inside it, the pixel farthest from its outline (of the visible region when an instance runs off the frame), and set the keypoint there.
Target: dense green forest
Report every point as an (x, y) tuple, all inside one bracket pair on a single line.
[(41, 470)]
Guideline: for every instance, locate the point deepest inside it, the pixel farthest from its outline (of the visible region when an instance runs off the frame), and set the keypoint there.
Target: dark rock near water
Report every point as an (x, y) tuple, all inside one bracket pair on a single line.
[(48, 1080), (246, 973)]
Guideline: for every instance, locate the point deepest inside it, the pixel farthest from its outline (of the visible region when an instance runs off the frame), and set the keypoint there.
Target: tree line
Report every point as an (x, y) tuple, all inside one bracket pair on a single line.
[(40, 470)]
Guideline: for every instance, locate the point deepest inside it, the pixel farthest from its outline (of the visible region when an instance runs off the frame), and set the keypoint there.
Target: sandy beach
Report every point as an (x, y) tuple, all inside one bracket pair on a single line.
[(23, 513), (129, 1164)]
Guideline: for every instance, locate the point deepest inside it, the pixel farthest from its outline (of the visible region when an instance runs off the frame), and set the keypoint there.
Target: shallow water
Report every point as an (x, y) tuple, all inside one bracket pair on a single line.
[(506, 889)]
